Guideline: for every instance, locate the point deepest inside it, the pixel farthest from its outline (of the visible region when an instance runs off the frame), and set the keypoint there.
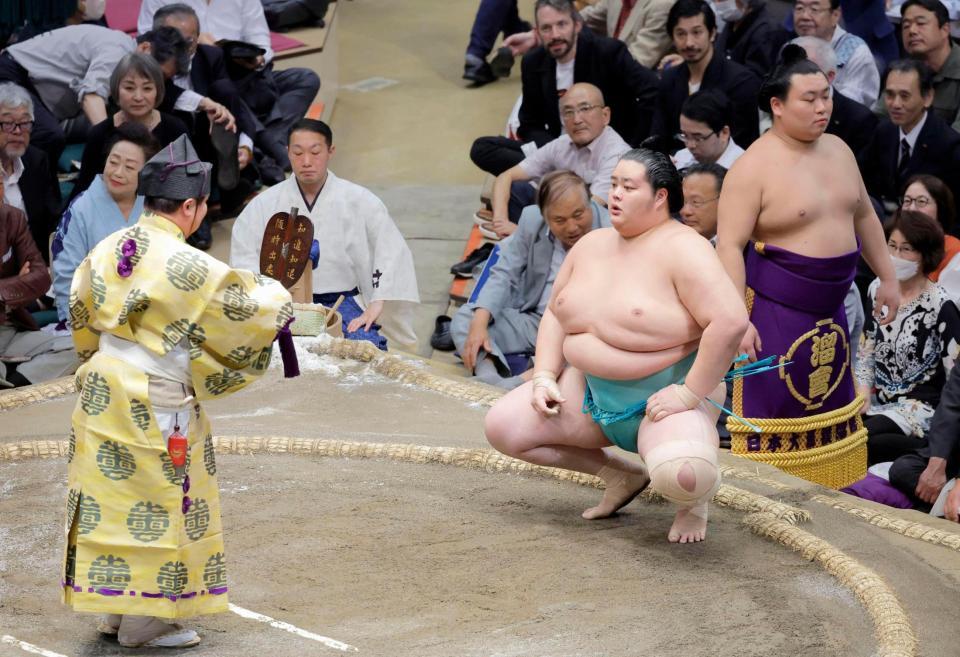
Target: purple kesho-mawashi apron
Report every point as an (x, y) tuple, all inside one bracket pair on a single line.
[(796, 304)]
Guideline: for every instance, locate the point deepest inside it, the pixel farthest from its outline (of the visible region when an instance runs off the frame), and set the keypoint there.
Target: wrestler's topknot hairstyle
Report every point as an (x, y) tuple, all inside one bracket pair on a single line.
[(661, 173), (793, 61)]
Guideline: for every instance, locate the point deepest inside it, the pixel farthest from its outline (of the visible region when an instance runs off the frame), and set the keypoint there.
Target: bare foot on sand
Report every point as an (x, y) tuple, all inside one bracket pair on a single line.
[(621, 488), (689, 525)]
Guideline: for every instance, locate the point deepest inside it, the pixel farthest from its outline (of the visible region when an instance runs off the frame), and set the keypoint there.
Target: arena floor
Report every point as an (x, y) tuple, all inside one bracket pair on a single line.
[(448, 550)]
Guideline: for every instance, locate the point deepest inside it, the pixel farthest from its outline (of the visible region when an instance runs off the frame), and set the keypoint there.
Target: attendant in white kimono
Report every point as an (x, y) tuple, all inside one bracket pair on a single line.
[(362, 254)]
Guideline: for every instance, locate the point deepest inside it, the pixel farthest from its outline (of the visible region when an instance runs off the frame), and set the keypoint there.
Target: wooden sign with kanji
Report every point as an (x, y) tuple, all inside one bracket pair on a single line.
[(285, 251)]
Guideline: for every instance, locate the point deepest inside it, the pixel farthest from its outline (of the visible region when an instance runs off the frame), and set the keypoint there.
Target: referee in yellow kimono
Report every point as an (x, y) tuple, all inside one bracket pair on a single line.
[(160, 327)]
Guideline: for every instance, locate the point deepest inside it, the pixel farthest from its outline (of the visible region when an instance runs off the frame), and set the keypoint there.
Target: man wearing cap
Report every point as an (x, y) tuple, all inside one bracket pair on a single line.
[(159, 327)]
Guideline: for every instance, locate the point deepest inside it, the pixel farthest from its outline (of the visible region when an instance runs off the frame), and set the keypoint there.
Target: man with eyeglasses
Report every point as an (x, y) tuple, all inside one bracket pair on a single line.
[(705, 131), (569, 54), (701, 193), (30, 183), (912, 140), (857, 73), (925, 28), (693, 28), (589, 147)]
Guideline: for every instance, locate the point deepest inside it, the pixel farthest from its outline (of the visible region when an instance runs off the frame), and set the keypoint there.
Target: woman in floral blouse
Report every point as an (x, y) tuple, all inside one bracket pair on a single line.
[(905, 363)]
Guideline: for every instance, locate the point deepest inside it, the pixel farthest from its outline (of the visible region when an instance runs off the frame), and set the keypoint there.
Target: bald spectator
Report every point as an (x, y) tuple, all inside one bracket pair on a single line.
[(589, 147), (506, 314), (925, 28), (701, 194), (750, 36), (570, 54), (25, 171), (693, 28), (276, 99), (857, 73), (705, 131)]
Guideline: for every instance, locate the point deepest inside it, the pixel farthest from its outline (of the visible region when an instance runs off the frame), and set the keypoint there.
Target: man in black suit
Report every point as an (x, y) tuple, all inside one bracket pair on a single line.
[(921, 476), (206, 95), (751, 36), (913, 140), (853, 122), (569, 54), (693, 28), (28, 178)]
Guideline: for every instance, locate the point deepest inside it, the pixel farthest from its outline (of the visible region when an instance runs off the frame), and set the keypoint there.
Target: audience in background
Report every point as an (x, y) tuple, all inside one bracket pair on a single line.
[(28, 176), (570, 54), (913, 140), (493, 17), (857, 73), (701, 194), (705, 119), (906, 361), (750, 36), (692, 26), (638, 23), (925, 30), (504, 319), (110, 203), (137, 88), (589, 147)]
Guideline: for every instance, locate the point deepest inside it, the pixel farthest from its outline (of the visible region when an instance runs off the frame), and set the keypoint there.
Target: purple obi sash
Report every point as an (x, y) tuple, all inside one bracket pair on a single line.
[(796, 304)]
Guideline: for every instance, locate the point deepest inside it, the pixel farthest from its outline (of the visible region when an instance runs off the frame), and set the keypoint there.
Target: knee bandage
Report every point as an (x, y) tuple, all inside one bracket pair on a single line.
[(666, 463)]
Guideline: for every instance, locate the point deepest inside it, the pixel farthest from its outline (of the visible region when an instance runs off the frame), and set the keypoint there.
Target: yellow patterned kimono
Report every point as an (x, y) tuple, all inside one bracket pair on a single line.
[(142, 538)]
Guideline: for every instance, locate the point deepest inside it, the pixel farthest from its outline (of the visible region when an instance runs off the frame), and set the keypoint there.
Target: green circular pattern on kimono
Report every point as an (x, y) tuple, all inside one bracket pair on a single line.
[(71, 446), (115, 461), (98, 289), (147, 521), (197, 519), (209, 457), (89, 516), (140, 414), (187, 271), (223, 381), (178, 330), (70, 568), (215, 572), (73, 503), (240, 356), (138, 235), (79, 313), (284, 315), (109, 572), (170, 471), (137, 301), (94, 394), (238, 306), (263, 359), (172, 578)]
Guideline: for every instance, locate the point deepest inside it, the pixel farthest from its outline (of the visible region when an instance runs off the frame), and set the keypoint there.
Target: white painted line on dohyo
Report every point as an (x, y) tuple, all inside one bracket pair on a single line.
[(29, 647), (293, 629)]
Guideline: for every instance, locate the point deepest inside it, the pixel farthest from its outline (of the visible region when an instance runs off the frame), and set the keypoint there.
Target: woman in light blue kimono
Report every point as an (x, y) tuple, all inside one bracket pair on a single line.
[(108, 205)]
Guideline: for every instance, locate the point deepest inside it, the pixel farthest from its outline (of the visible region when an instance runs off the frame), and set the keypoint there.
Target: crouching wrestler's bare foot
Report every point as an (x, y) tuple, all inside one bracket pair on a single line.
[(621, 488)]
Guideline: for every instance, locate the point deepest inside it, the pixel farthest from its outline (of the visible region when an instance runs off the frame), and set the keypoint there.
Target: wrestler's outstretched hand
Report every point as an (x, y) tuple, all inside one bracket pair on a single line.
[(546, 394), (666, 402), (888, 294), (750, 344)]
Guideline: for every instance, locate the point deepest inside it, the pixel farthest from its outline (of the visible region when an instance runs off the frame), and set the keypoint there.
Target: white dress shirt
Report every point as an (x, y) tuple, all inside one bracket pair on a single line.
[(857, 77), (238, 20), (11, 186), (684, 158), (911, 136)]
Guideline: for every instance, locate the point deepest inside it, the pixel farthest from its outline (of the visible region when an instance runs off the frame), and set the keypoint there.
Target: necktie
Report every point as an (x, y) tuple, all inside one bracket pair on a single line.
[(904, 157)]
